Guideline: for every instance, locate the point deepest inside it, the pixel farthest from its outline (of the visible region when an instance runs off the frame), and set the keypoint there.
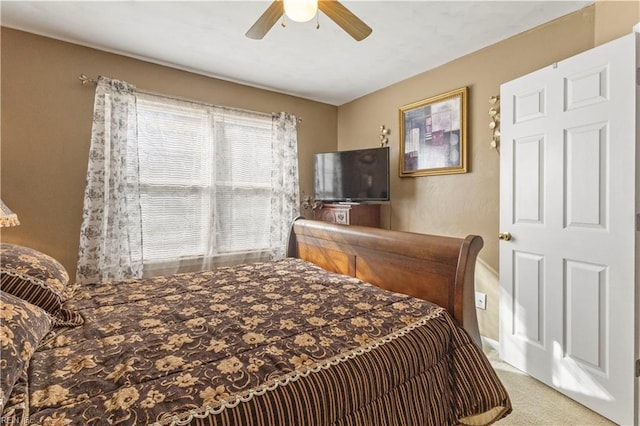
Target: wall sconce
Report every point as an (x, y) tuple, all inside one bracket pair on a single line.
[(494, 124), (384, 135)]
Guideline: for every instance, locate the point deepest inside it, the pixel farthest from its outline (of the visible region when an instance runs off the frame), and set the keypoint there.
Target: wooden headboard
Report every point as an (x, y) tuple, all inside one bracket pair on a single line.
[(434, 268)]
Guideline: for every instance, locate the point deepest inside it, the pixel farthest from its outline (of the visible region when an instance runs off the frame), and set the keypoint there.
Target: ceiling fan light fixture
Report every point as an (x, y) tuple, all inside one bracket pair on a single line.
[(305, 10), (301, 10)]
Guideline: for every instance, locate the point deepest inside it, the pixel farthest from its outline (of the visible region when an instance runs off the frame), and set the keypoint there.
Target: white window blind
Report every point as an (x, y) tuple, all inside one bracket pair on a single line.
[(243, 182), (205, 180)]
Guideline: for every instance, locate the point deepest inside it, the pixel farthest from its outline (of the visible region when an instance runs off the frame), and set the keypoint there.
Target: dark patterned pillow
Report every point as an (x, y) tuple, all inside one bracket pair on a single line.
[(37, 278), (22, 327)]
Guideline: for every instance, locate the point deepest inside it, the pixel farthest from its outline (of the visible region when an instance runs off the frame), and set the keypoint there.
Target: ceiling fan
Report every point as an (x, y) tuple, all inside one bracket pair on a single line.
[(305, 10)]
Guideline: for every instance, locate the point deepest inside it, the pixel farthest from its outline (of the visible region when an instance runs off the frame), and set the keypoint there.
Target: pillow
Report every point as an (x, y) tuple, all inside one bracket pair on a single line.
[(22, 327), (37, 278)]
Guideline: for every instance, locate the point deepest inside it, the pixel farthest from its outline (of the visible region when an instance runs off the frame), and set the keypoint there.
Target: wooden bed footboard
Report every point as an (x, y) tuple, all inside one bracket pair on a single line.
[(434, 268)]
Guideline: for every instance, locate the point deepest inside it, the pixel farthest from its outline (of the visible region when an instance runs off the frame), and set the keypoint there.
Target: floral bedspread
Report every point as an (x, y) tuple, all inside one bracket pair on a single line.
[(227, 346)]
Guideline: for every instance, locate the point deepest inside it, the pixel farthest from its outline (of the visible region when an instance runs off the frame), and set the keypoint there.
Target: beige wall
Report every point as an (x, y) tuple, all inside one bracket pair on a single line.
[(469, 203), (46, 127), (615, 18)]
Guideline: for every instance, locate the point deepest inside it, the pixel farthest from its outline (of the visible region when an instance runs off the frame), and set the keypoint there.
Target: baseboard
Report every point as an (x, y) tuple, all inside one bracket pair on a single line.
[(490, 344)]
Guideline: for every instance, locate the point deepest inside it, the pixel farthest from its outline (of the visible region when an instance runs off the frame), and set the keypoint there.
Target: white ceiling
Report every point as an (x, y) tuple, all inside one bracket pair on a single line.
[(326, 65)]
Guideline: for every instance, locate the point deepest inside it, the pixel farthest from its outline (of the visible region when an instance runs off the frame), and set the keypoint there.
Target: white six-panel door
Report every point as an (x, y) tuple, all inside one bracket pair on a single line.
[(568, 200)]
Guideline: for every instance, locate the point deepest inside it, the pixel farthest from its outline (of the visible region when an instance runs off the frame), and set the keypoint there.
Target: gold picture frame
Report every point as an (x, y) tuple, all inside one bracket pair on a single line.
[(433, 135)]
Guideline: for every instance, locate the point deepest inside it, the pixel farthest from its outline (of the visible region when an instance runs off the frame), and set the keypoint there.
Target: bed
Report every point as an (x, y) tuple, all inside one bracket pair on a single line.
[(357, 326)]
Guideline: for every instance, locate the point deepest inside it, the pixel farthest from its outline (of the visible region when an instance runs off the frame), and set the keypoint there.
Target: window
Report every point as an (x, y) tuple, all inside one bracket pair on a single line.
[(205, 177), (177, 186)]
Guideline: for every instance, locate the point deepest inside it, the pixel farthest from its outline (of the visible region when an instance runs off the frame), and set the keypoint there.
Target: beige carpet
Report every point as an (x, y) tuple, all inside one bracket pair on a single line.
[(537, 404)]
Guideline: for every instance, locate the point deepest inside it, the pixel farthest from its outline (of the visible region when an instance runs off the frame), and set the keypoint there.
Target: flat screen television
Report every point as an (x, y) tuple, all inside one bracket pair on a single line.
[(352, 176)]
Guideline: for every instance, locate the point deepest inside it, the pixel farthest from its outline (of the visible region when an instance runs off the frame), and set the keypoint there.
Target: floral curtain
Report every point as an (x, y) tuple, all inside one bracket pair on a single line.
[(110, 236), (285, 203)]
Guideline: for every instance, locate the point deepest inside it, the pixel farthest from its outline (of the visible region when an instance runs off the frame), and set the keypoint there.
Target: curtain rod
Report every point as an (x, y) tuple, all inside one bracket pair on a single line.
[(87, 81)]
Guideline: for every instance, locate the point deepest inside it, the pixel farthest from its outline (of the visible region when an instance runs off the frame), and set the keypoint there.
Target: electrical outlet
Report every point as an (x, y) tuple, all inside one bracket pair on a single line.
[(481, 300)]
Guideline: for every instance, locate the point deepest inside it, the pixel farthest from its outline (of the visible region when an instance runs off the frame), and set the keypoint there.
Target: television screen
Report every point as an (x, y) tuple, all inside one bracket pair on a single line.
[(358, 175)]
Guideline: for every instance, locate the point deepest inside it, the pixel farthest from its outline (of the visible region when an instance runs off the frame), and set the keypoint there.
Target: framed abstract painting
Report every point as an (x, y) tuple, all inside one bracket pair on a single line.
[(433, 135)]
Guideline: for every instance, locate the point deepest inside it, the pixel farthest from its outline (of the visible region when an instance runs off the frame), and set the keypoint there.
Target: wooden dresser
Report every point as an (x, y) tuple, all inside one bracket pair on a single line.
[(350, 214)]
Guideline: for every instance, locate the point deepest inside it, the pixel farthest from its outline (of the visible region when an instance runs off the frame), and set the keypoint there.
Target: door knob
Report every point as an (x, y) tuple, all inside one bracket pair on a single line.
[(505, 236)]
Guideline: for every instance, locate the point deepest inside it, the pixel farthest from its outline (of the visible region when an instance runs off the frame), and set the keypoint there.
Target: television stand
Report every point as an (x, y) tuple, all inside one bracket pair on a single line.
[(349, 214)]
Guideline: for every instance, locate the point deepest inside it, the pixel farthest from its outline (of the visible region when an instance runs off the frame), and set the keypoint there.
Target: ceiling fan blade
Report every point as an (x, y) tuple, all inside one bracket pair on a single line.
[(266, 20), (345, 19)]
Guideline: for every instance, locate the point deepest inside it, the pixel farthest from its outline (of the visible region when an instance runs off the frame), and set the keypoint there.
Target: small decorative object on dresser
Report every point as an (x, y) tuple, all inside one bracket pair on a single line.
[(349, 214)]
